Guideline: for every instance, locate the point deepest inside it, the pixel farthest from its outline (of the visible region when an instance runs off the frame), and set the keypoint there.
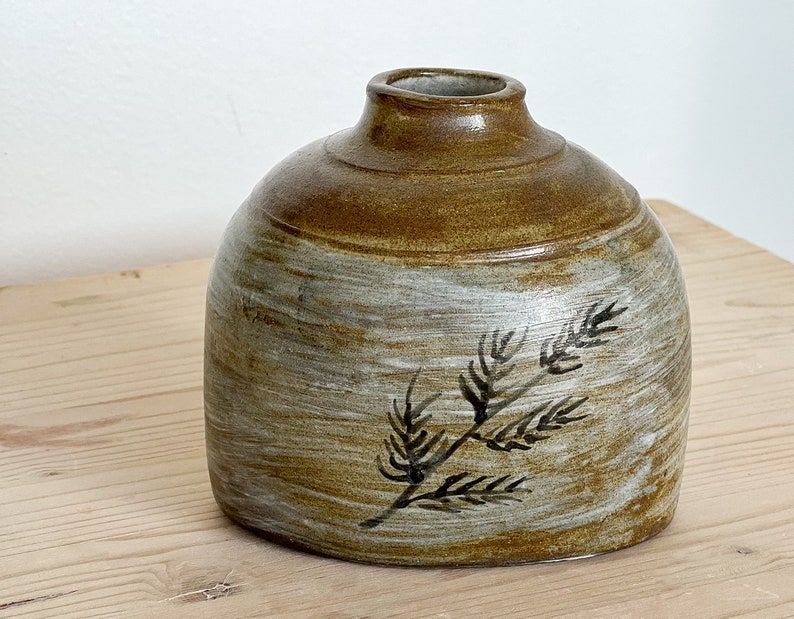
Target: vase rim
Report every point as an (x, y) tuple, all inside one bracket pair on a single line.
[(446, 86), (428, 120)]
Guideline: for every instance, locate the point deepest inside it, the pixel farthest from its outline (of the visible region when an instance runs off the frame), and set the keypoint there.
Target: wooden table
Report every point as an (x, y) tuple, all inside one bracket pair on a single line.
[(106, 509)]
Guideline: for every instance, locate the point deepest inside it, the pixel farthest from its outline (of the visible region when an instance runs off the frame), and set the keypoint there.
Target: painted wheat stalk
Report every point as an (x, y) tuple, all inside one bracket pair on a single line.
[(413, 453)]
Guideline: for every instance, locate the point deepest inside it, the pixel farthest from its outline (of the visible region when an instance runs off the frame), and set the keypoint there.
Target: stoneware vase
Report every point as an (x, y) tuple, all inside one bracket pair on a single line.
[(446, 336)]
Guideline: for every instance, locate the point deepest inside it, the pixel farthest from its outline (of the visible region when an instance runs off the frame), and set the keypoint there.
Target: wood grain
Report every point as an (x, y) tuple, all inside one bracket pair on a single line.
[(106, 511)]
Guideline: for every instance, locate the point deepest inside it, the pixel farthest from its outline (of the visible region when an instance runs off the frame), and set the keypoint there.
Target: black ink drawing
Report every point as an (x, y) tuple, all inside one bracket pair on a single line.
[(413, 453)]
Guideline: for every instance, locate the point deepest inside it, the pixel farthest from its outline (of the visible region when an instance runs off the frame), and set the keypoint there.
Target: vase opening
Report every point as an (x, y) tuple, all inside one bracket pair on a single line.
[(434, 119), (450, 84)]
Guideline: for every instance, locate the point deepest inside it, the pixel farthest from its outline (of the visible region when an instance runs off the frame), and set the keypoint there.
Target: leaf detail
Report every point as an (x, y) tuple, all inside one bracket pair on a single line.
[(412, 452), (454, 494), (479, 388), (532, 427), (557, 417), (556, 353)]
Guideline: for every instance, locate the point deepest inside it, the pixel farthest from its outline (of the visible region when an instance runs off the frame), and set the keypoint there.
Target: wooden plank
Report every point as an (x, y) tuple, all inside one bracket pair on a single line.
[(105, 506)]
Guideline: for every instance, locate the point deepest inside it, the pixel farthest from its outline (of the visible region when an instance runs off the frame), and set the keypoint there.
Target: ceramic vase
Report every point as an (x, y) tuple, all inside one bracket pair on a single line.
[(446, 336)]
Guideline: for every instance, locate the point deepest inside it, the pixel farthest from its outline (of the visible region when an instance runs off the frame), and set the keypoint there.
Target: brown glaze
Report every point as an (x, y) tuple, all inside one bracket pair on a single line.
[(446, 264), (419, 174)]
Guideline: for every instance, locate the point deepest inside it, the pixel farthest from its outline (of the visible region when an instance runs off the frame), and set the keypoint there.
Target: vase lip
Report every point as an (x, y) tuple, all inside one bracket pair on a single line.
[(442, 121), (427, 86)]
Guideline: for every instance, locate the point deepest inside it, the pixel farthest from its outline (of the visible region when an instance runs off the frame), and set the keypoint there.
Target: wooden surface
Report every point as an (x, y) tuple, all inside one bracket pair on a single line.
[(106, 510)]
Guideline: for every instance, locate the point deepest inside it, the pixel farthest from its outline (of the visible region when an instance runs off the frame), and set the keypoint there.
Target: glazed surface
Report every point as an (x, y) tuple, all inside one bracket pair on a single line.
[(318, 359), (440, 179), (449, 217)]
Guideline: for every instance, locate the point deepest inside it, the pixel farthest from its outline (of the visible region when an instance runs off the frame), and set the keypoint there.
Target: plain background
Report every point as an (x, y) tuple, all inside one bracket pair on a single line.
[(130, 131)]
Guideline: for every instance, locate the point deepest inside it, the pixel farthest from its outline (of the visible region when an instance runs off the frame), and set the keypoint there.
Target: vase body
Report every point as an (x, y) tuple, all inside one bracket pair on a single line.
[(446, 336)]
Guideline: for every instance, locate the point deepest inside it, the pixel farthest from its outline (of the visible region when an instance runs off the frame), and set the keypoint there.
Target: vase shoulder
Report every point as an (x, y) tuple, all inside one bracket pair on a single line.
[(431, 172), (543, 209)]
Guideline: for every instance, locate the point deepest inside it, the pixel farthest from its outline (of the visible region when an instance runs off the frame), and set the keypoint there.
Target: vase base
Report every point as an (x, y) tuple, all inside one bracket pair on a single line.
[(442, 560)]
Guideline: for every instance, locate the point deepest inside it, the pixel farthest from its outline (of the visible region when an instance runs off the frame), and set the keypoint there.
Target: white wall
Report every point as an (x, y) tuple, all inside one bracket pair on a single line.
[(130, 131)]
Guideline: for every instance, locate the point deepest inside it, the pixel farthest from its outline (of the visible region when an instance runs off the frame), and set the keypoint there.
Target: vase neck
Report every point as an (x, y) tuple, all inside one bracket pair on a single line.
[(444, 120)]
